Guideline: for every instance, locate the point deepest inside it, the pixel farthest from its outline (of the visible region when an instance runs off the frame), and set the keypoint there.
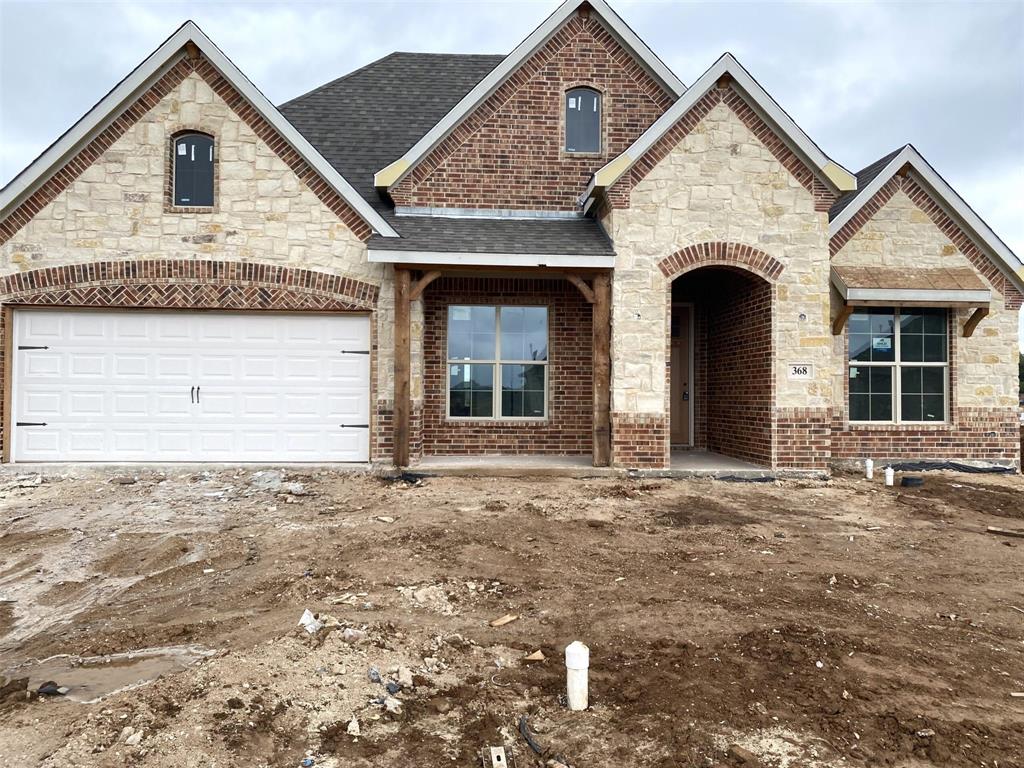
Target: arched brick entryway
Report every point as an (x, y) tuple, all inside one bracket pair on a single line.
[(721, 295), (178, 284)]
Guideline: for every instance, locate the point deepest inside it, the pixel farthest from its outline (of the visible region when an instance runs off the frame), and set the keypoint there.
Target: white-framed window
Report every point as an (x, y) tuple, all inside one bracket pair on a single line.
[(583, 120), (497, 362), (898, 364)]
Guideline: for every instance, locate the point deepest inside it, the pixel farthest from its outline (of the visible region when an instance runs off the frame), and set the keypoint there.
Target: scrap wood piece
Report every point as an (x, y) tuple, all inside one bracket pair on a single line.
[(1005, 532), (537, 655), (508, 618), (1017, 694)]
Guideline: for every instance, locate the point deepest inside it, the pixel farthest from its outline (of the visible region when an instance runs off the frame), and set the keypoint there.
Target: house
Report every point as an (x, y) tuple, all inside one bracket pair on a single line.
[(565, 251)]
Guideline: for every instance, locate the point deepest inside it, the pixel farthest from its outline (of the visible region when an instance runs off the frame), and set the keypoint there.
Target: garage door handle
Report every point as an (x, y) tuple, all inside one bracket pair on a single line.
[(197, 393), (354, 426), (30, 423), (355, 351), (192, 396), (22, 346)]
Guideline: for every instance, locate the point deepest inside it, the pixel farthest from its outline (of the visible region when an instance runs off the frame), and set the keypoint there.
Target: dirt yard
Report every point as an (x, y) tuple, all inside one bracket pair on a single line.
[(835, 623)]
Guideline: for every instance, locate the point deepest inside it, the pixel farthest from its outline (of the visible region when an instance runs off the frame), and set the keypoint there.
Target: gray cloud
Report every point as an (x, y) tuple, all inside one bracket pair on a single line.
[(861, 78)]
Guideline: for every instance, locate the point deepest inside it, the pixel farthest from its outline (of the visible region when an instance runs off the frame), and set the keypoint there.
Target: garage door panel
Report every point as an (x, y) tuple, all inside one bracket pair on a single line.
[(119, 386)]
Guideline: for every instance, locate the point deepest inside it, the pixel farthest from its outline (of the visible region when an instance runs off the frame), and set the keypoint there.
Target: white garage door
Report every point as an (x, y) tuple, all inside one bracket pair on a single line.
[(190, 386)]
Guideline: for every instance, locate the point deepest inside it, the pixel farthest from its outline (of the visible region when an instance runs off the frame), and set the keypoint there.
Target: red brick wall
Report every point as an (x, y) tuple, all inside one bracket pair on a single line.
[(733, 382), (640, 440), (568, 426), (739, 368), (976, 434), (803, 438), (509, 152)]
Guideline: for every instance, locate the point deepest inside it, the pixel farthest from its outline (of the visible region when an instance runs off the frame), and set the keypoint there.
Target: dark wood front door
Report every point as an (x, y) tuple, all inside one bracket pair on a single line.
[(681, 390)]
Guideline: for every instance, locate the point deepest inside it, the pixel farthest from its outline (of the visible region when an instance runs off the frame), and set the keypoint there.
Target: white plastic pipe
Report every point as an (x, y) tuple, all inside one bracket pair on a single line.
[(577, 666), (869, 469), (890, 476)]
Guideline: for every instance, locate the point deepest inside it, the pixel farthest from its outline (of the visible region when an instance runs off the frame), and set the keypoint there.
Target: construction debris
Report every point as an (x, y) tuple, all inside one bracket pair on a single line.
[(1005, 532), (508, 618)]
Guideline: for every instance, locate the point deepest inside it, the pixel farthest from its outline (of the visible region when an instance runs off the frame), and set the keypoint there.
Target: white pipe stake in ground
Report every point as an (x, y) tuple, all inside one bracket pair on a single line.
[(577, 664), (890, 476), (869, 469)]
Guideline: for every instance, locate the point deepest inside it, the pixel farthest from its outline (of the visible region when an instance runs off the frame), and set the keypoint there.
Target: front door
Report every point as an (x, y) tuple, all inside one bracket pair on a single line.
[(681, 390)]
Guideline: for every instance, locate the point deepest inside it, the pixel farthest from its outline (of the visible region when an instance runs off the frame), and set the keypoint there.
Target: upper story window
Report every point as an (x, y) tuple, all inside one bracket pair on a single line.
[(193, 170), (582, 120)]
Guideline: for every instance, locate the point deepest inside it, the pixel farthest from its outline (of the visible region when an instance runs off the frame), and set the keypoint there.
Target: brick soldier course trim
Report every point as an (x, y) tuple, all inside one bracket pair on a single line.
[(62, 179), (618, 193), (187, 284), (1012, 297), (721, 254)]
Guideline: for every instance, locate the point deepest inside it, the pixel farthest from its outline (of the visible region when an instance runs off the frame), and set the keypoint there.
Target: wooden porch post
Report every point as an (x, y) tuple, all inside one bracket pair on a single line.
[(602, 370), (402, 407)]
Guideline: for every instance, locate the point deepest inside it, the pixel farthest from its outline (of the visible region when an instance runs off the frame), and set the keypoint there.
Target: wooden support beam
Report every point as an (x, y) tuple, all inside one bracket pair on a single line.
[(972, 322), (403, 334), (581, 284), (602, 321), (421, 285), (840, 322)]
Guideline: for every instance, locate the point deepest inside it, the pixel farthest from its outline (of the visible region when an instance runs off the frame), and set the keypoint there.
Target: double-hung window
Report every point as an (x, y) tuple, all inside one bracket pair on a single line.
[(497, 362), (899, 365)]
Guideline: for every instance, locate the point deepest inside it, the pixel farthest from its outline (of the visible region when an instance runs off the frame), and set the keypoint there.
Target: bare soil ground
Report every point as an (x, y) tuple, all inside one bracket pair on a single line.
[(835, 623)]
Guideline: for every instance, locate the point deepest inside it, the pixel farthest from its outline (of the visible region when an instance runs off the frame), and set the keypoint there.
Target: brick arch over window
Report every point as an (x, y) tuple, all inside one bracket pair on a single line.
[(187, 284), (719, 254)]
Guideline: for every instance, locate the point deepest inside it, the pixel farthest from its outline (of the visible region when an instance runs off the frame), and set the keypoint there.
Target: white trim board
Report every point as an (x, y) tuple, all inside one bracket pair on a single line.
[(464, 258), (840, 178), (947, 197), (396, 171), (154, 66)]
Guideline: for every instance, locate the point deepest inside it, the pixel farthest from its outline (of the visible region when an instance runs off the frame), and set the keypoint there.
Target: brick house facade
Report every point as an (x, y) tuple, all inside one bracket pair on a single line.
[(447, 276)]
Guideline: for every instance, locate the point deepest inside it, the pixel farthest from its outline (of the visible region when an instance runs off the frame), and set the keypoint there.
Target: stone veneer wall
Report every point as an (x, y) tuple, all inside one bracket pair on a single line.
[(568, 426), (509, 152), (719, 182), (109, 206), (902, 231)]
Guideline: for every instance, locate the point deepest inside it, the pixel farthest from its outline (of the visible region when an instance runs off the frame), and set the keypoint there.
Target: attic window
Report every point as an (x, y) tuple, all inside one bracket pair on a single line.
[(582, 120), (193, 170)]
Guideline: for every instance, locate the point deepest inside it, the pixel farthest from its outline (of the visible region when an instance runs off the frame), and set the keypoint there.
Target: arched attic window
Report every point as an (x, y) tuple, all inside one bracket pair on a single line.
[(582, 120), (193, 170)]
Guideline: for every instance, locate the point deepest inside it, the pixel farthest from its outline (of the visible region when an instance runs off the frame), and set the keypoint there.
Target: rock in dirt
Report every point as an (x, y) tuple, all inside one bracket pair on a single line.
[(123, 480), (405, 677), (433, 598), (742, 757), (537, 655), (352, 636), (134, 740), (393, 705), (374, 675), (353, 727)]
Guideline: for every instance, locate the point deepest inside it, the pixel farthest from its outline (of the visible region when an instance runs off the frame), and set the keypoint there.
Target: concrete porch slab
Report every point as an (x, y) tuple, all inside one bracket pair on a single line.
[(512, 466), (685, 464)]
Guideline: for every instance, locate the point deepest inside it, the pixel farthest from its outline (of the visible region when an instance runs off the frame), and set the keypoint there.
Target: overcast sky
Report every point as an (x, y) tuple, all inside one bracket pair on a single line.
[(860, 78)]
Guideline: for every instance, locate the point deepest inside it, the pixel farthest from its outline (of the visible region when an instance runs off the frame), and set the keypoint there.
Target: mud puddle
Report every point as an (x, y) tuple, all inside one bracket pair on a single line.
[(92, 678)]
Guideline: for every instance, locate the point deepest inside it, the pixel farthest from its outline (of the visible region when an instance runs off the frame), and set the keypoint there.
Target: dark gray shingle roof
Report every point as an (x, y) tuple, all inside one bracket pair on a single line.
[(367, 119), (567, 237), (864, 177)]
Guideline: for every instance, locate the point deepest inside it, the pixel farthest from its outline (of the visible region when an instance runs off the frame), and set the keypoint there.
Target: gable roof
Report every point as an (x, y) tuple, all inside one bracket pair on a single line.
[(397, 170), (881, 171), (367, 118), (150, 70), (837, 176)]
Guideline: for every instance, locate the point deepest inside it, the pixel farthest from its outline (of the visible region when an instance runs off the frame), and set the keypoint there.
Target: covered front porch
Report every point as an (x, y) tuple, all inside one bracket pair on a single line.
[(501, 367)]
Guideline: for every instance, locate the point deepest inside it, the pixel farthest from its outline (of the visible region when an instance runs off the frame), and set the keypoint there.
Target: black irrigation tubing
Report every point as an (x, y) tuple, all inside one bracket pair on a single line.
[(956, 466), (524, 731)]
